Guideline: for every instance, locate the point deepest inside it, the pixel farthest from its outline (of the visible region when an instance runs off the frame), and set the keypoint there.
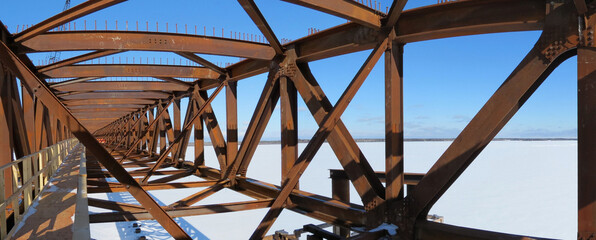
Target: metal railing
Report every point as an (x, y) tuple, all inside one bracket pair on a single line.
[(30, 174)]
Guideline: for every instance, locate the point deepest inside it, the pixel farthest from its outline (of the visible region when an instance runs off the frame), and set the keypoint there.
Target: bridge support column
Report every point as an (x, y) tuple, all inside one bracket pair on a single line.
[(586, 134)]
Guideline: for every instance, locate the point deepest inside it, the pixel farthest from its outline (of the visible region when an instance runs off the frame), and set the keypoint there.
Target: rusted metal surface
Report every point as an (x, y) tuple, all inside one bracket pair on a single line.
[(518, 87), (345, 9), (64, 17), (117, 101), (394, 132), (315, 143), (122, 86), (144, 41), (341, 141), (255, 14), (78, 59), (117, 94), (131, 70), (130, 118), (586, 59), (12, 62)]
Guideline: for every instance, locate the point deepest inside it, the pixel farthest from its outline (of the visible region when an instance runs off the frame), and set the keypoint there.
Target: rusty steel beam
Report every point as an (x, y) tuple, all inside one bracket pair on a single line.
[(106, 109), (12, 62), (409, 178), (122, 85), (247, 68), (394, 13), (206, 84), (394, 122), (6, 154), (257, 17), (321, 233), (256, 127), (180, 82), (29, 102), (312, 205), (74, 108), (135, 173), (349, 10), (343, 39), (71, 81), (586, 138), (151, 186), (186, 128), (68, 15), (541, 60), (342, 143), (440, 231), (95, 127), (96, 119), (61, 94), (131, 70), (459, 18), (103, 114), (92, 102), (145, 41), (172, 177), (315, 143), (196, 197), (193, 57), (316, 206), (118, 94), (180, 153), (199, 140), (182, 212), (77, 59), (217, 140), (340, 190), (464, 18), (231, 122), (117, 206), (151, 126)]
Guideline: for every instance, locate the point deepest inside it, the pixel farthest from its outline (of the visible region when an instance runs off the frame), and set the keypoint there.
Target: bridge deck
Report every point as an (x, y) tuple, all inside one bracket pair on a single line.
[(52, 215)]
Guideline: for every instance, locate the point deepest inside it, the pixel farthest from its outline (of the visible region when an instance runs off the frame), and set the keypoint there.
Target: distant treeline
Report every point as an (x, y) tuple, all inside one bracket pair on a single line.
[(425, 140)]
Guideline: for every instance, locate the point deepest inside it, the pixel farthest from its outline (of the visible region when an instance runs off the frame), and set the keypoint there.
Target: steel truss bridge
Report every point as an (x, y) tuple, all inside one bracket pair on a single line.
[(120, 123)]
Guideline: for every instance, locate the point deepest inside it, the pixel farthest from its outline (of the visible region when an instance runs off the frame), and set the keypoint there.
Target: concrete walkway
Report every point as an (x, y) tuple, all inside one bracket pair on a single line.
[(52, 215)]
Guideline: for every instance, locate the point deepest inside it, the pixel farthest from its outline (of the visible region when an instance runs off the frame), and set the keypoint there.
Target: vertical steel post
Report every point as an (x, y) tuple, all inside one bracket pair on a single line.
[(586, 139), (29, 114), (11, 61), (162, 132), (177, 125), (394, 138), (39, 108), (231, 122), (289, 126), (5, 140), (340, 190), (199, 140)]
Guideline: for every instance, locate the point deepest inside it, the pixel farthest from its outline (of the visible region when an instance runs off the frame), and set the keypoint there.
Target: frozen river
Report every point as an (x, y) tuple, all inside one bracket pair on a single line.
[(520, 187)]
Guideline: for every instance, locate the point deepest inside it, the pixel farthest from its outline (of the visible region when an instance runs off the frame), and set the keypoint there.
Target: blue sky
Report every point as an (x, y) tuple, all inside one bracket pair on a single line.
[(446, 81)]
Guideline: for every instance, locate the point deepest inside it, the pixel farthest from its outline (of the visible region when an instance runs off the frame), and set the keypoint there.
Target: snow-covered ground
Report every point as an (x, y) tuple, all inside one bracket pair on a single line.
[(520, 187)]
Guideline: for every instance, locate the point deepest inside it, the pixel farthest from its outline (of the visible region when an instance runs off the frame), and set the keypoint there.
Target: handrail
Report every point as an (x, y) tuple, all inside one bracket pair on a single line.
[(30, 175), (81, 223)]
